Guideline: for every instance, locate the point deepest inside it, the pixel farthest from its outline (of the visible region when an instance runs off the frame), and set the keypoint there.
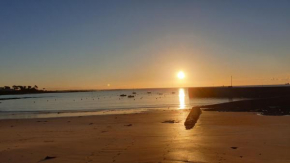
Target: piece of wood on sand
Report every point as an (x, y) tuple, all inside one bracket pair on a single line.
[(192, 117)]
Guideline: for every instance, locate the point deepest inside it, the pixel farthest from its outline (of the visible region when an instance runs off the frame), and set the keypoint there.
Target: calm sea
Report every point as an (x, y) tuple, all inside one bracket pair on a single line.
[(98, 102)]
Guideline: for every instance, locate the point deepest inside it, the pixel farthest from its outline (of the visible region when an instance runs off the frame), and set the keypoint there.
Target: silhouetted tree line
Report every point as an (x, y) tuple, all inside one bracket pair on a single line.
[(21, 88)]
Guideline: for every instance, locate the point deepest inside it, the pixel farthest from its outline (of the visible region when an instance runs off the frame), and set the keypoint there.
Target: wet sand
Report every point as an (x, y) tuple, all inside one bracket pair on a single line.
[(216, 137)]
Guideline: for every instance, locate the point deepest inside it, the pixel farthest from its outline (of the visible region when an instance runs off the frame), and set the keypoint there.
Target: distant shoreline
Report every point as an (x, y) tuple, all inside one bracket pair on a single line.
[(210, 91), (38, 92)]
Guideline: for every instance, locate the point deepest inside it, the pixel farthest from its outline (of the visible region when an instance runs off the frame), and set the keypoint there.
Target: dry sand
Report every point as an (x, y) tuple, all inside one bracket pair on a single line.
[(143, 138)]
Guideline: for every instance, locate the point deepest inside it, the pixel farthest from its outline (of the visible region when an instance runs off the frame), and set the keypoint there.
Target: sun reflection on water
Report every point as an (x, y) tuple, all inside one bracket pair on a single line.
[(181, 98)]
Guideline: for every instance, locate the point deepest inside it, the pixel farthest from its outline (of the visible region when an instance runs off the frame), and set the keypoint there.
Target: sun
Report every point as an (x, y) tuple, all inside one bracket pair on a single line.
[(181, 75)]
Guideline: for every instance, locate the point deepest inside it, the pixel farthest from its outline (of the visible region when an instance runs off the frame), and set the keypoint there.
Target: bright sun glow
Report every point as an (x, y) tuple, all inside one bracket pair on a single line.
[(180, 75)]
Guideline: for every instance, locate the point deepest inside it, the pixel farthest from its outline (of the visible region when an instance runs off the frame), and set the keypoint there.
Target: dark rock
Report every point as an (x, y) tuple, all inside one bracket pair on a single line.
[(48, 158), (169, 121)]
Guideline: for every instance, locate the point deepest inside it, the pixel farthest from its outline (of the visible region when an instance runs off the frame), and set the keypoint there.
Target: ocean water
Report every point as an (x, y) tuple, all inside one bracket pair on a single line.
[(98, 102)]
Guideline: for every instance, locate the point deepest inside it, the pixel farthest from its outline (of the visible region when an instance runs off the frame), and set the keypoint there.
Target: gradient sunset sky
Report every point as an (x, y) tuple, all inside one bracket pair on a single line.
[(89, 44)]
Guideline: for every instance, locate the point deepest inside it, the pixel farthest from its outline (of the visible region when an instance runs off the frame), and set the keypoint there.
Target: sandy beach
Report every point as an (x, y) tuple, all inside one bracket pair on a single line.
[(216, 137), (162, 81)]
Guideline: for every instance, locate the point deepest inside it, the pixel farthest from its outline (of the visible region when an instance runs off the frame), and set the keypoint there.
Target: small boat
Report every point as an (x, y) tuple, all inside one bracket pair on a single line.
[(134, 93), (123, 95), (149, 92), (173, 92), (131, 96)]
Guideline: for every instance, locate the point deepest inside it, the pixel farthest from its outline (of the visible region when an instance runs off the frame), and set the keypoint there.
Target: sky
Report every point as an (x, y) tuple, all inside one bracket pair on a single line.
[(74, 44)]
